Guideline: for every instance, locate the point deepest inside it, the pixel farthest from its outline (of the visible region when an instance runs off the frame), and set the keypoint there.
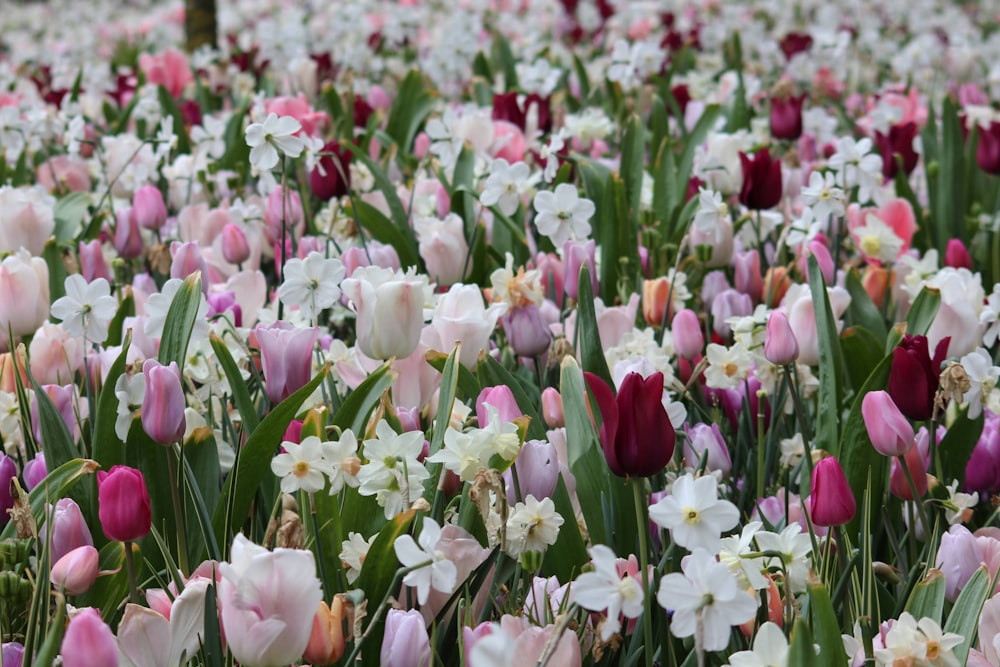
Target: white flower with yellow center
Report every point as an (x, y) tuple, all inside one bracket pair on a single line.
[(353, 552), (606, 591), (517, 289), (727, 366), (301, 466), (463, 454), (431, 568), (533, 526), (694, 514), (877, 240)]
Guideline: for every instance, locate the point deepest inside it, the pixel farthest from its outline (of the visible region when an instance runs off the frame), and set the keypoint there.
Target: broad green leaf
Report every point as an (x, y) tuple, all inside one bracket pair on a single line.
[(801, 650), (588, 336), (55, 486), (382, 229), (69, 213), (964, 616), (241, 396), (927, 597), (446, 401), (632, 160), (568, 555), (468, 384), (824, 619), (354, 411), (862, 311), (492, 374), (923, 311), (52, 253), (831, 364), (413, 103), (180, 322), (862, 353)]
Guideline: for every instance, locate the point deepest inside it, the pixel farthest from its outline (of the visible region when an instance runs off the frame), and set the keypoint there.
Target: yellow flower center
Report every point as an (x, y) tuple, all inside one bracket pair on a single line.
[(870, 245), (730, 369), (691, 516), (933, 650), (300, 469)]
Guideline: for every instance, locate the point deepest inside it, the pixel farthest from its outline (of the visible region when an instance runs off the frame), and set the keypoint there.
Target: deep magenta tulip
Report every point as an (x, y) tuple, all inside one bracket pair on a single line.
[(914, 378), (636, 433), (123, 504), (831, 502), (761, 180), (899, 142), (956, 255), (786, 117), (988, 149), (331, 179), (163, 404)]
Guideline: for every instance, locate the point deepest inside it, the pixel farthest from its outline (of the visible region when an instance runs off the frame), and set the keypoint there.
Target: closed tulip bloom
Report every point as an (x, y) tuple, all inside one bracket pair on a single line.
[(689, 341), (11, 654), (527, 331), (575, 255), (34, 471), (235, 247), (268, 601), (916, 463), (914, 376), (88, 641), (330, 179), (24, 294), (76, 572), (187, 259), (286, 354), (746, 274), (405, 643), (66, 528), (390, 310), (537, 467), (92, 262), (899, 141), (163, 404), (956, 255), (823, 258), (780, 346), (703, 439), (988, 148), (552, 408), (8, 471), (123, 504), (786, 117), (654, 300), (831, 502), (636, 433), (128, 239), (761, 181), (958, 557), (148, 207), (501, 398), (326, 641), (726, 305), (890, 432)]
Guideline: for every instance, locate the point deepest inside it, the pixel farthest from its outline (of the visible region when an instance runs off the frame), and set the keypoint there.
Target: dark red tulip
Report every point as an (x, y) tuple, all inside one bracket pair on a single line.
[(636, 433), (761, 180), (795, 42), (786, 117), (362, 111), (506, 107), (914, 376), (682, 96), (899, 141), (831, 502), (326, 179), (988, 150)]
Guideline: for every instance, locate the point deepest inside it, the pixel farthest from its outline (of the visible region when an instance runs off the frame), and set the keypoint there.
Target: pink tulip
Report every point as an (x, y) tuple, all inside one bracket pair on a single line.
[(188, 259), (575, 255), (285, 212), (235, 248), (67, 528), (780, 346), (299, 108), (552, 408), (501, 398), (405, 643), (128, 239), (24, 295), (747, 278), (527, 332), (702, 439), (92, 262), (63, 171), (957, 256), (443, 247), (831, 502), (34, 471), (123, 504), (286, 354), (76, 572), (915, 461), (88, 641), (148, 207), (729, 304), (957, 557), (163, 404), (890, 432), (169, 69), (823, 258), (689, 341)]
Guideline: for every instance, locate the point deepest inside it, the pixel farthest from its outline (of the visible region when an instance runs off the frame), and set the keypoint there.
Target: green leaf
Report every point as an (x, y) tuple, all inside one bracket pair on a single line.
[(169, 106), (831, 364), (949, 207), (108, 449), (588, 335), (468, 384), (57, 441), (382, 229), (923, 311), (55, 486), (964, 616), (180, 322), (927, 597), (823, 618), (857, 455), (632, 160), (254, 460), (377, 576), (241, 395), (566, 558), (862, 311), (69, 213), (53, 256), (956, 446), (202, 475), (354, 411), (801, 650), (412, 105), (446, 401), (505, 60), (862, 352)]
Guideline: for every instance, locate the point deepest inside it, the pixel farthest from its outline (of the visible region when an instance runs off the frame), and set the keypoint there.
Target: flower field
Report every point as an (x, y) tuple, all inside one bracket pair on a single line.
[(500, 333)]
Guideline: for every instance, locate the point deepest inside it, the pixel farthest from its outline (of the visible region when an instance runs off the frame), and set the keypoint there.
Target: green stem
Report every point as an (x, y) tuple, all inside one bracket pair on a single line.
[(800, 411), (130, 572), (760, 447), (639, 492), (175, 496), (916, 497), (319, 549)]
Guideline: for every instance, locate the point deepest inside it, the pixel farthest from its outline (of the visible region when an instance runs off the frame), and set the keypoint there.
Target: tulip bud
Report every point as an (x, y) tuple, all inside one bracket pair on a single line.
[(819, 250), (890, 432), (501, 398), (914, 376), (786, 117), (88, 641), (285, 212), (761, 180), (780, 346), (187, 259), (92, 263), (988, 148), (729, 304), (875, 280), (654, 300), (689, 341), (8, 471), (957, 256), (702, 438), (163, 404), (832, 501), (286, 354), (123, 504), (148, 208), (776, 283), (899, 141), (552, 408), (747, 278), (128, 238), (34, 471), (405, 643), (11, 654), (575, 255), (76, 572), (390, 310), (235, 248), (330, 179), (66, 527), (714, 284), (537, 467), (326, 642), (526, 330), (958, 558)]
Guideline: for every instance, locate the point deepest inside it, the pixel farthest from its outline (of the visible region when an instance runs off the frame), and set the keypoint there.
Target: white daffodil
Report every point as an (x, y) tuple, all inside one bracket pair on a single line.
[(823, 196), (923, 641), (353, 552), (312, 284), (498, 437), (727, 366), (533, 526), (733, 554), (983, 377), (705, 599), (958, 507), (694, 514), (392, 472), (433, 569), (877, 240), (563, 214), (504, 185), (770, 649), (158, 305), (604, 590), (301, 466), (792, 547), (269, 140), (712, 212), (991, 317), (342, 460), (857, 166), (462, 454), (87, 309), (130, 392)]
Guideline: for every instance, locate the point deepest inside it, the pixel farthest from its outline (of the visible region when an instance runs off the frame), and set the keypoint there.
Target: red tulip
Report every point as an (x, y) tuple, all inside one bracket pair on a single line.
[(636, 433), (988, 150), (329, 179), (761, 180), (786, 117), (899, 141), (914, 376)]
